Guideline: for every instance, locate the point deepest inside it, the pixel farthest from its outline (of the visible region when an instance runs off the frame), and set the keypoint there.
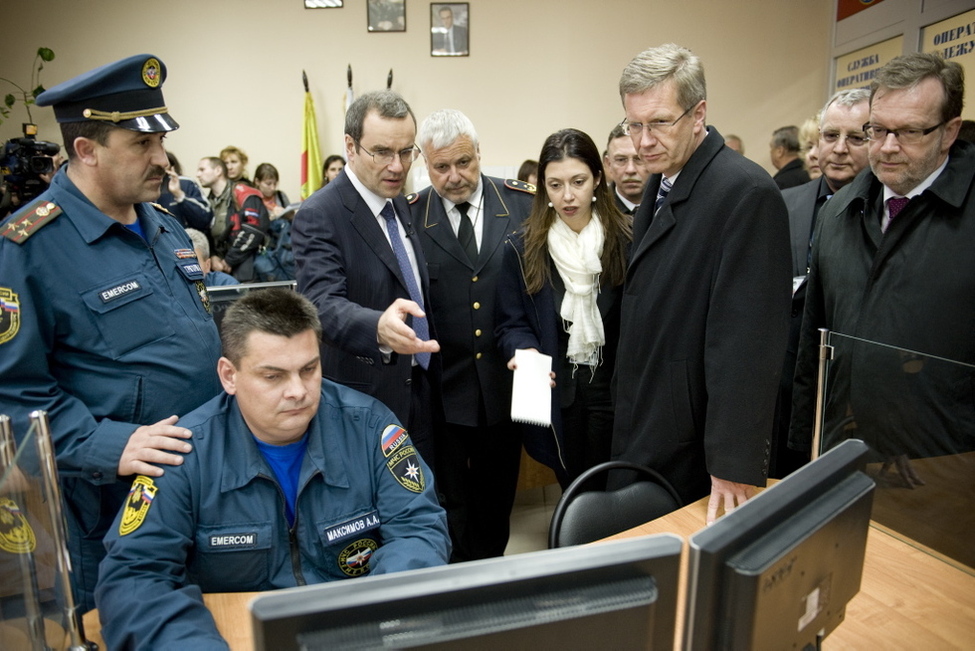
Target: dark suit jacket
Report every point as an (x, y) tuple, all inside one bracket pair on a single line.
[(800, 201), (791, 175), (704, 324), (622, 206), (473, 368), (460, 41), (347, 268)]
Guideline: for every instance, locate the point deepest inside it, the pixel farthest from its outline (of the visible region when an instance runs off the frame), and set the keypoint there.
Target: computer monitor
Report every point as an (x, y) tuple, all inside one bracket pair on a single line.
[(620, 594), (777, 572)]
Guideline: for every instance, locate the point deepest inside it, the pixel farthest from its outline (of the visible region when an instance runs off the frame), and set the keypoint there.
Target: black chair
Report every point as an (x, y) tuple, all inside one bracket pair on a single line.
[(585, 516)]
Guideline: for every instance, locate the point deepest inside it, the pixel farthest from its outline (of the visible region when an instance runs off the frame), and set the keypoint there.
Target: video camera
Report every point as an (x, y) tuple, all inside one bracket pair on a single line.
[(22, 162)]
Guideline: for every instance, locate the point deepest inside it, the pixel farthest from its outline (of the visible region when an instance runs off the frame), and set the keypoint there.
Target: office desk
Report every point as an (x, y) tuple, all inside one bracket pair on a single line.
[(229, 611), (908, 599)]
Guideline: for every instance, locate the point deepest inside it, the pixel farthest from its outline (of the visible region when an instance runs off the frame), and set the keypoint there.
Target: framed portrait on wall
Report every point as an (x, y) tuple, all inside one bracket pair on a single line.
[(450, 24), (387, 15)]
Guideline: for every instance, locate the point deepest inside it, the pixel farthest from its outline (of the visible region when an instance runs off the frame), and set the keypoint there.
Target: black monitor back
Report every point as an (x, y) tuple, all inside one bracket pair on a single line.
[(782, 566), (620, 594)]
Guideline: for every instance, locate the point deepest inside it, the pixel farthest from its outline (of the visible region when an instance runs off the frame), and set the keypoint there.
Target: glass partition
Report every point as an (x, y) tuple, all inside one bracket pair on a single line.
[(917, 413), (35, 614)]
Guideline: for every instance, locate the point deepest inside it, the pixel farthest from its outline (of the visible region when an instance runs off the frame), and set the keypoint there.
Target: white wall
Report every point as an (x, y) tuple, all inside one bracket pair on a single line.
[(535, 66)]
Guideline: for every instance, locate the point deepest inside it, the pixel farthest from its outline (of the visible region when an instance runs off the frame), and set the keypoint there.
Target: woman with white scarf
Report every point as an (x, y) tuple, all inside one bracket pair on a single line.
[(559, 293)]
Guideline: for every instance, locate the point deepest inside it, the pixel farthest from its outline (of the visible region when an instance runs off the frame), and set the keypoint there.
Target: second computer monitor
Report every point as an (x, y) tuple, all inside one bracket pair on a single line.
[(778, 572)]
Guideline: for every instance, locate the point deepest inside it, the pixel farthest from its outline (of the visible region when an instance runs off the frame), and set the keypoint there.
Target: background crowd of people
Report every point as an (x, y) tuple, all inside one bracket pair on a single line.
[(656, 274)]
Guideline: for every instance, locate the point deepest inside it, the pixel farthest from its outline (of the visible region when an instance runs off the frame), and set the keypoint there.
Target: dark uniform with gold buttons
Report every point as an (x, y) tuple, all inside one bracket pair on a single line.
[(481, 450), (103, 327)]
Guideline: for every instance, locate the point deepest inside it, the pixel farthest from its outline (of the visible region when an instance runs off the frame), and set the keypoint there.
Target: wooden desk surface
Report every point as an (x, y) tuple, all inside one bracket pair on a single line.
[(229, 611), (908, 599)]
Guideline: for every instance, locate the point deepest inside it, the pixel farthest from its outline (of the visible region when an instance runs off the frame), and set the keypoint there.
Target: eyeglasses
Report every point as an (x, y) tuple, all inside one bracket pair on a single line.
[(634, 129), (623, 161), (386, 156), (906, 136), (852, 139)]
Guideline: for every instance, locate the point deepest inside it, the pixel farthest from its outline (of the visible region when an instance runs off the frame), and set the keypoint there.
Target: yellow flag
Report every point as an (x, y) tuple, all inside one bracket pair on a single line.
[(311, 153)]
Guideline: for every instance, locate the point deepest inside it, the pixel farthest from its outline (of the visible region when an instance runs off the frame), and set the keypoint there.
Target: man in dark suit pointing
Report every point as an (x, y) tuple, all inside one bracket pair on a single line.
[(359, 261), (463, 219)]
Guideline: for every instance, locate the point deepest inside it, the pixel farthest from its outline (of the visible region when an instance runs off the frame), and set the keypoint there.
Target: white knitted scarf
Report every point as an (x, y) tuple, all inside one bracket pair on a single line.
[(576, 257)]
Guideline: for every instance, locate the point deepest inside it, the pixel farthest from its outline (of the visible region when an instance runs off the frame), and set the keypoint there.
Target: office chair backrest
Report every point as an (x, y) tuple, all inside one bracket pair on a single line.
[(583, 517)]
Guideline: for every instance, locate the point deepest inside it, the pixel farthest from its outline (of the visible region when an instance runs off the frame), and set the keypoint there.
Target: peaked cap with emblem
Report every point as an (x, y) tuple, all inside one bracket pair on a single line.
[(127, 93)]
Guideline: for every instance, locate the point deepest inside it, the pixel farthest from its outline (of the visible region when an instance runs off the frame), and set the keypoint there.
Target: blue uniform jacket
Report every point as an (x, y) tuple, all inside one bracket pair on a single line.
[(217, 523), (105, 331)]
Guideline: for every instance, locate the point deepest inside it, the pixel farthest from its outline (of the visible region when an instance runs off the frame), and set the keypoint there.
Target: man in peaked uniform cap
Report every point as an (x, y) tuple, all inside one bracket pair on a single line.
[(126, 94), (106, 321)]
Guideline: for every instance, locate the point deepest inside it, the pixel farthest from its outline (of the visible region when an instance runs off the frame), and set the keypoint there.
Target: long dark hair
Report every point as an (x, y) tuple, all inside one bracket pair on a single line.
[(327, 164), (572, 143)]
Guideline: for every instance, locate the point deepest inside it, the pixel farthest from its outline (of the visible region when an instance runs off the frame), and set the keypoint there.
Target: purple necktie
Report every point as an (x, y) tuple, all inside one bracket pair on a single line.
[(894, 206), (420, 325)]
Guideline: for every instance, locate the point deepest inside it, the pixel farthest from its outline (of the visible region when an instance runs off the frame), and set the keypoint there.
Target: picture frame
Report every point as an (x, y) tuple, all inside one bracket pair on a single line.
[(386, 16), (324, 4), (450, 29)]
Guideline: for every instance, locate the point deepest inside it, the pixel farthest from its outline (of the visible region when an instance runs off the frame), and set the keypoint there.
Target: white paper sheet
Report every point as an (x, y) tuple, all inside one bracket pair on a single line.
[(531, 391)]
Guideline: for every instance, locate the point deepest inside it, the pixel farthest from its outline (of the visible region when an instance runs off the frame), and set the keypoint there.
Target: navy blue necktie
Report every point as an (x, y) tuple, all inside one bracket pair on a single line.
[(420, 325), (665, 186)]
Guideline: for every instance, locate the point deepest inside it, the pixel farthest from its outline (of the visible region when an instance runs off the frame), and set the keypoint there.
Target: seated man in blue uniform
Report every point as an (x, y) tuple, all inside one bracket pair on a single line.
[(293, 480)]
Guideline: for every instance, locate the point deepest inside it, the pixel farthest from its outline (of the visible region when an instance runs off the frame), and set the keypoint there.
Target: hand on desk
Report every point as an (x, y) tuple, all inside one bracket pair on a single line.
[(727, 493)]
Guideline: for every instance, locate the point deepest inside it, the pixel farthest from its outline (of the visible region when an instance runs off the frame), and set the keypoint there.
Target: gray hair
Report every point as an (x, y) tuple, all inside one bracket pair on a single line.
[(617, 132), (441, 128), (787, 137), (907, 70), (200, 242), (279, 312), (656, 65), (848, 98), (388, 104)]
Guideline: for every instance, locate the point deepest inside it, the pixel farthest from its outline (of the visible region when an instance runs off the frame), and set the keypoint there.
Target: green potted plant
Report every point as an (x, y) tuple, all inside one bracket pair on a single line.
[(27, 96)]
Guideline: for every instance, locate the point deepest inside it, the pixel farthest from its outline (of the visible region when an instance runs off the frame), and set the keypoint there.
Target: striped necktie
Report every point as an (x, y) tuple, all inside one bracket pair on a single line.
[(665, 186)]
